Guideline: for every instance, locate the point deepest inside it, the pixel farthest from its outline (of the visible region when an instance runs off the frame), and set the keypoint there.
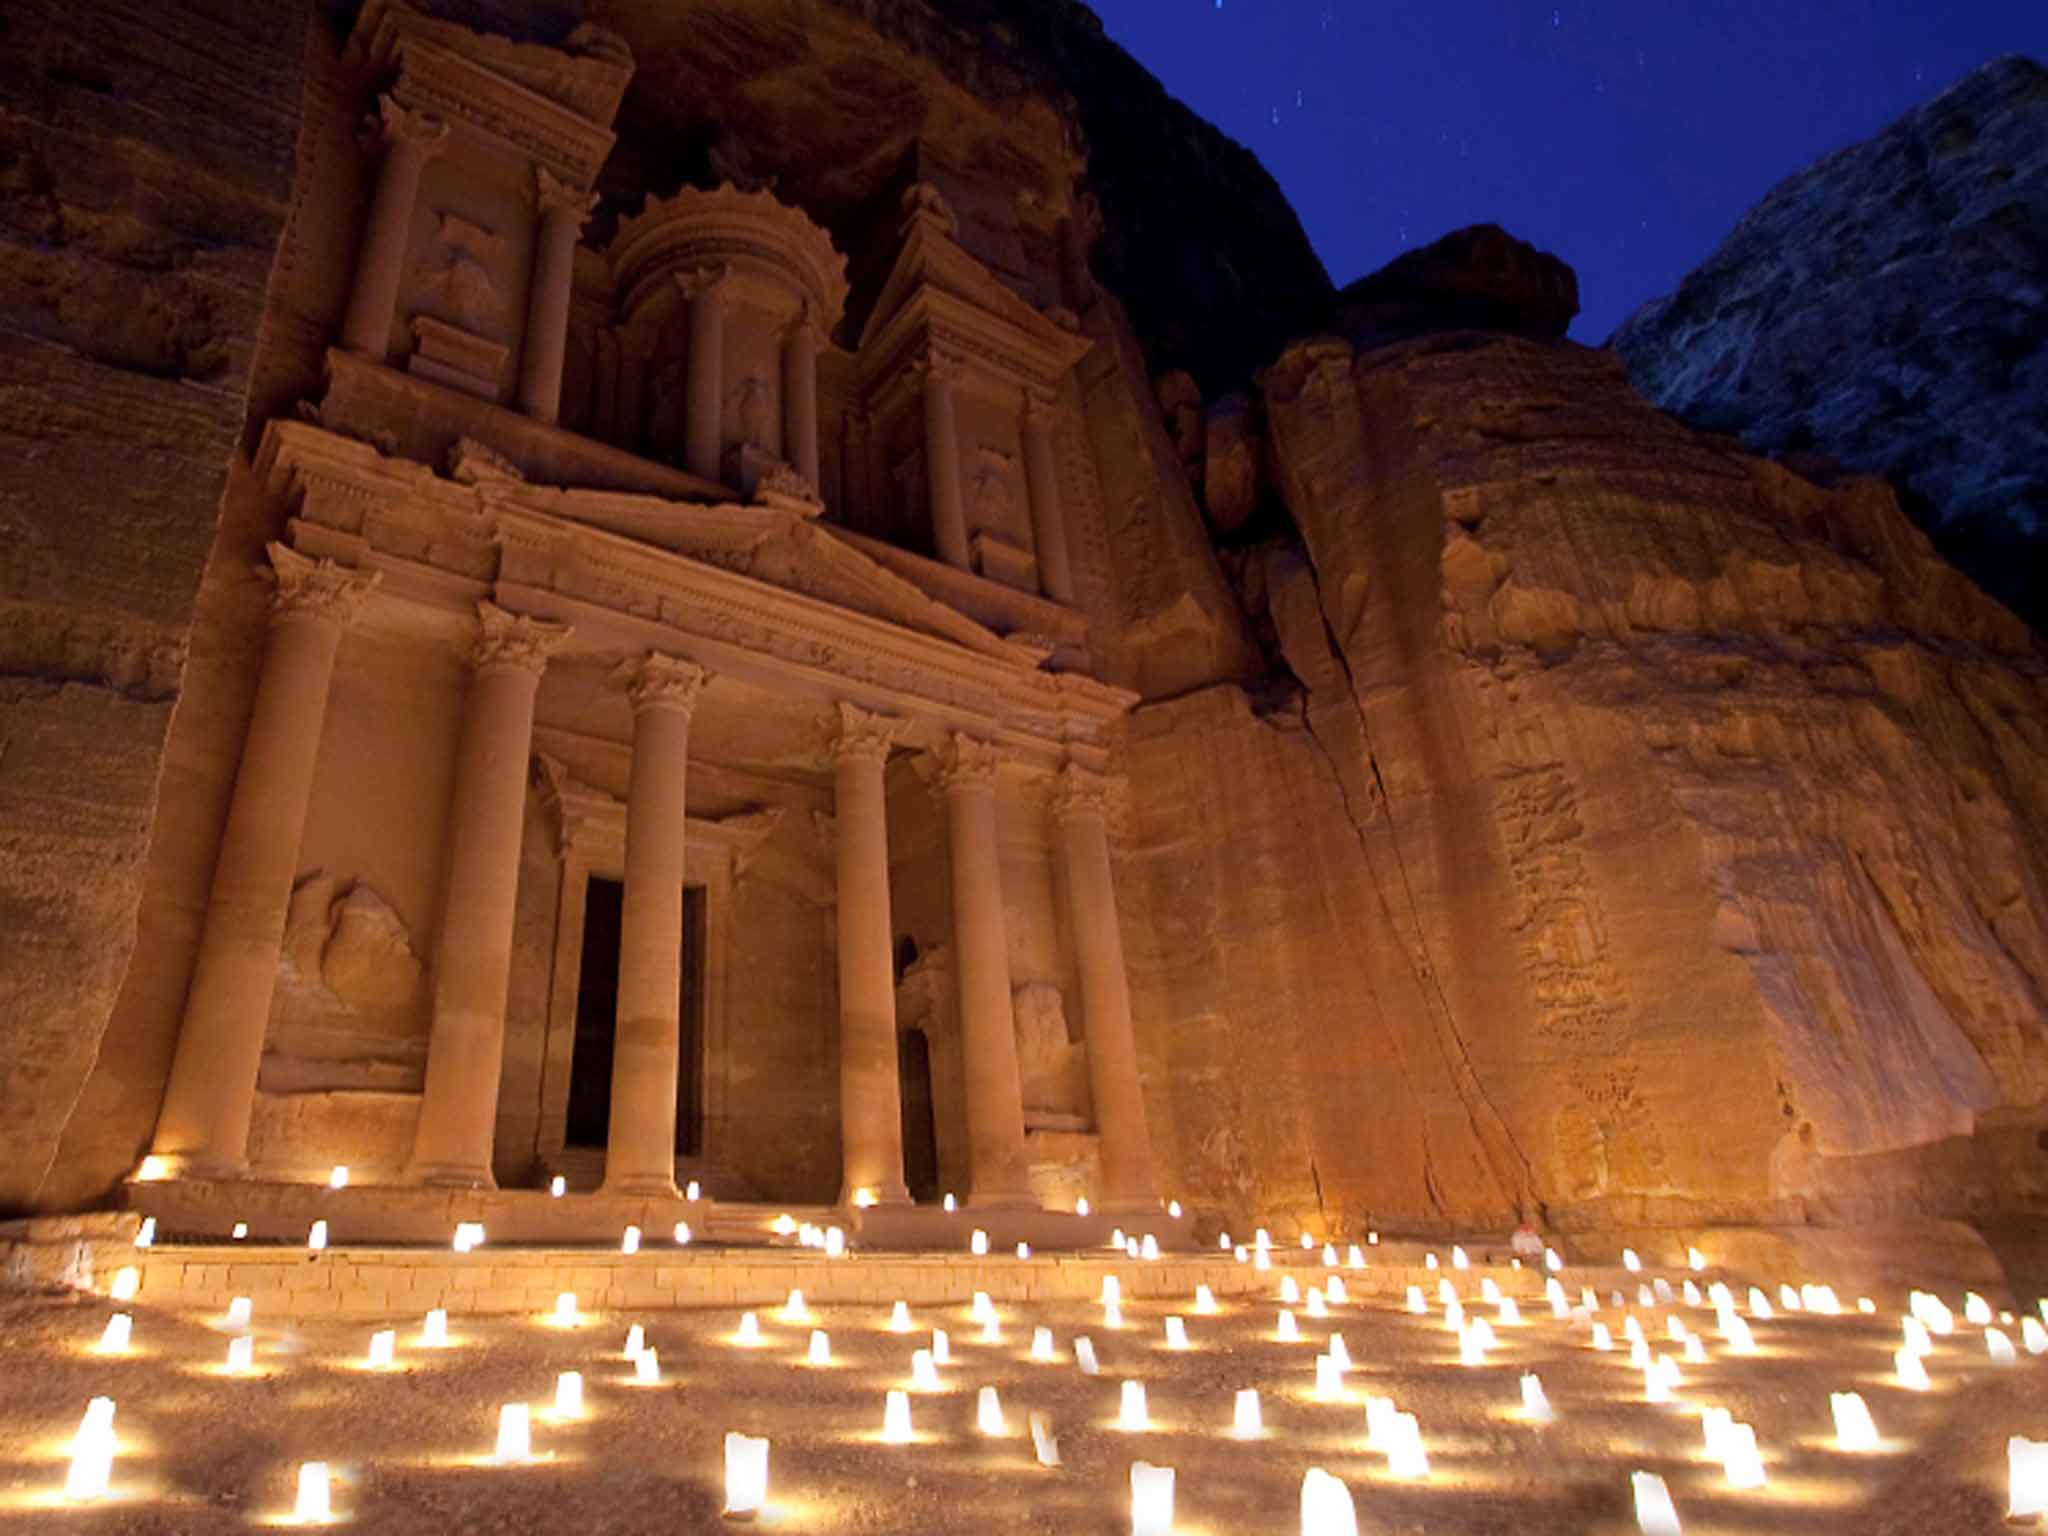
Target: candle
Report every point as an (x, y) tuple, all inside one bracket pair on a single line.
[(746, 1473)]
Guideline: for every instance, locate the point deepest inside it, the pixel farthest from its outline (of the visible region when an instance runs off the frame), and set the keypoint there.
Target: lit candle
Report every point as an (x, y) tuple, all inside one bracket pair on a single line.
[(1535, 1405), (942, 1347), (1509, 1313), (1131, 1415), (1335, 1292), (977, 1243), (1740, 1460), (924, 1372), (1148, 1249), (1289, 1332), (383, 1350), (749, 1330), (783, 1225), (1112, 1315), (896, 1418), (2033, 1336), (1629, 1261), (1084, 1355), (988, 1414), (316, 1239), (630, 1243), (950, 1204), (1911, 1373), (793, 1309), (92, 1453), (146, 1233), (240, 1231), (1854, 1428), (338, 1178), (746, 1474), (1655, 1513), (2027, 1477), (1290, 1292), (1177, 1334), (1023, 1250), (1379, 1423), (820, 1351), (1081, 1206), (1316, 1309), (1416, 1301), (434, 1331), (636, 1340), (1041, 1343), (558, 1186), (835, 1243), (1695, 1259), (114, 1337), (1406, 1457), (899, 1318), (1151, 1499), (1339, 1353), (1458, 1258), (241, 1355), (991, 1331), (647, 1368), (1326, 1507), (1355, 1259), (565, 1310), (239, 1311), (1245, 1419), (1329, 1256), (1205, 1305), (693, 1191), (1999, 1347), (681, 1234), (314, 1504), (1043, 1445), (1602, 1339), (1976, 1310), (1329, 1380)]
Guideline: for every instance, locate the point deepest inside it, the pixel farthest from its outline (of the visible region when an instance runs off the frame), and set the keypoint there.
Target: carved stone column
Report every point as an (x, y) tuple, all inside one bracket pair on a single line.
[(870, 1097), (704, 402), (800, 397), (203, 1128), (1042, 485), (409, 140), (1119, 1098), (998, 1171), (942, 461), (640, 1155), (562, 212), (473, 958)]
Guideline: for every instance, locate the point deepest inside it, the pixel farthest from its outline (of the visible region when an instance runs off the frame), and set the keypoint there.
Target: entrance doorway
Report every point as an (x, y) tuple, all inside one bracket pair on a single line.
[(920, 1129), (588, 1123)]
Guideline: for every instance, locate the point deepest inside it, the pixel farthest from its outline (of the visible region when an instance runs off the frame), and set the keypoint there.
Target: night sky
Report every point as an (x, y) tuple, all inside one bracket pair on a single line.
[(1627, 136)]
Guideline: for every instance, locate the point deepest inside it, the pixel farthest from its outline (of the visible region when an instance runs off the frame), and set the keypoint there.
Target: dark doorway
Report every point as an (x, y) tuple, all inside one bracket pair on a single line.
[(597, 1017), (920, 1130)]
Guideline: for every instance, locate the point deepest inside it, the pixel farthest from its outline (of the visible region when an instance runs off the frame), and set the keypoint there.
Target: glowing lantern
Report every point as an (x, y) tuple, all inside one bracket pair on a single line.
[(338, 1179), (1656, 1515), (1148, 1250), (1976, 1310), (569, 1395), (1205, 1303), (1695, 1351), (1429, 1261), (1288, 1332), (749, 1330), (146, 1233), (924, 1372), (1740, 1340), (114, 1337), (949, 1204), (1695, 1259), (314, 1504), (558, 1186), (2033, 1335), (1316, 1309), (515, 1434), (1329, 1379), (241, 1230), (2027, 1477), (1417, 1303), (981, 1309), (1999, 1347), (1454, 1315), (316, 1239), (1379, 1423), (942, 1347), (1854, 1428), (1112, 1315), (1084, 1355), (835, 1244), (434, 1331), (1131, 1415), (1176, 1333), (794, 1310), (693, 1191), (1339, 1353), (991, 1331), (1289, 1291), (1151, 1499), (1245, 1422), (239, 1309), (896, 1418), (899, 1318), (1023, 1250), (1335, 1292), (1911, 1373), (746, 1473), (1043, 1445), (1535, 1405), (1692, 1294), (241, 1355), (977, 1243), (1081, 1206), (92, 1452), (1355, 1259), (630, 1243), (1041, 1343), (1406, 1458), (383, 1350), (647, 1368), (1740, 1460), (1489, 1292), (1602, 1339), (820, 1351), (1630, 1262), (1509, 1313), (636, 1341), (784, 1225), (1329, 1256), (988, 1414), (1116, 1237), (565, 1310), (1326, 1508)]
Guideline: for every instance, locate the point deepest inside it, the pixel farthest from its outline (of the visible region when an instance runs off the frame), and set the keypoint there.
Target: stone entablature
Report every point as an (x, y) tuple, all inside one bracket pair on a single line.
[(828, 632), (769, 253)]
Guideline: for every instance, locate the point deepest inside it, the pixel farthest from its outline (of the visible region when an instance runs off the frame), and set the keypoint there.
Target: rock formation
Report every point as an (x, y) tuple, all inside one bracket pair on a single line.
[(1887, 308)]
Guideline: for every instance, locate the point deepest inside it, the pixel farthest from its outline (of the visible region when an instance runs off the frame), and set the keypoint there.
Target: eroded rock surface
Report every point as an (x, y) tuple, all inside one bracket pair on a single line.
[(1888, 308)]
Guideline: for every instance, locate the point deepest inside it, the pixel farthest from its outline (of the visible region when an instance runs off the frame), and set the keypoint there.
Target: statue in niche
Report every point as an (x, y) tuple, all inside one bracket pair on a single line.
[(460, 277), (1049, 1063), (756, 412), (991, 491)]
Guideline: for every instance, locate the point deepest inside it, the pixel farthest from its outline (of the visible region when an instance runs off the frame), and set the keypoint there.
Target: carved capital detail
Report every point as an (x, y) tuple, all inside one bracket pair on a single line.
[(935, 367), (315, 589), (552, 195), (922, 200), (1041, 408), (392, 125), (965, 765), (514, 640), (663, 682), (703, 281), (1077, 793), (864, 735)]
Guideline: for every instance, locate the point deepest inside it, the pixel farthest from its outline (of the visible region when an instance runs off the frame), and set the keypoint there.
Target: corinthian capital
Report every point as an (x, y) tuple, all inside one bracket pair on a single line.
[(864, 735), (935, 367), (1077, 793), (514, 640), (552, 195), (964, 765), (393, 125), (663, 682), (703, 281), (315, 589)]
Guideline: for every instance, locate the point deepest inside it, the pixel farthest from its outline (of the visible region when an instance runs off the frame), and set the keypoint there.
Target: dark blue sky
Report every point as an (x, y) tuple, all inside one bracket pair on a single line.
[(1626, 137)]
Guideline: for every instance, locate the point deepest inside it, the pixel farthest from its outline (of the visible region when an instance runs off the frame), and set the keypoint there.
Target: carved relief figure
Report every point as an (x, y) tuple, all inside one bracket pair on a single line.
[(1049, 1063), (460, 275), (754, 397)]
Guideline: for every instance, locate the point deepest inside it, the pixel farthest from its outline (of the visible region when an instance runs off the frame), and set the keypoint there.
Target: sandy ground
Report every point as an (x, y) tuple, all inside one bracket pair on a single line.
[(201, 1452)]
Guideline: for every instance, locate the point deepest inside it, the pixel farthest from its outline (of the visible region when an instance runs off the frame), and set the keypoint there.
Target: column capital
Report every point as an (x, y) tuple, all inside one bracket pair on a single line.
[(514, 640), (663, 682), (553, 196), (936, 367), (965, 765), (864, 735), (804, 326), (703, 282), (1078, 793), (304, 588), (1041, 407), (392, 124)]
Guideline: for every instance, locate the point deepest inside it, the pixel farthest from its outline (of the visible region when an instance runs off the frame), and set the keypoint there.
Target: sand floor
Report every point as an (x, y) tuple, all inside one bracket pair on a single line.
[(201, 1452)]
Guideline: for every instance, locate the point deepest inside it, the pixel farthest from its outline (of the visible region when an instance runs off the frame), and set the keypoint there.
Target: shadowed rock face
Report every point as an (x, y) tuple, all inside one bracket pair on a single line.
[(1481, 279), (1888, 308)]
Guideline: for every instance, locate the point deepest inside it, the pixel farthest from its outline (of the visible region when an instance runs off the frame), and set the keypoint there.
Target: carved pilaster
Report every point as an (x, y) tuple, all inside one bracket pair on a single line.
[(864, 734), (964, 765), (663, 682), (1077, 793), (392, 124), (514, 641), (560, 199), (317, 589)]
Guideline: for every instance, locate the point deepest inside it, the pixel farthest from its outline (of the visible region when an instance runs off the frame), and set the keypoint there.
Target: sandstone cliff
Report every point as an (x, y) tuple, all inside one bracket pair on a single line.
[(1888, 308)]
